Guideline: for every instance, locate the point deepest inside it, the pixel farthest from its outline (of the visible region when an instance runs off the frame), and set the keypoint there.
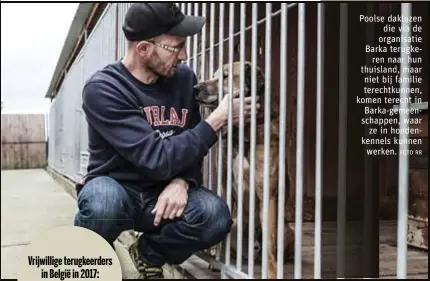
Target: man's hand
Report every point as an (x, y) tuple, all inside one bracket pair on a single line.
[(172, 201), (219, 117)]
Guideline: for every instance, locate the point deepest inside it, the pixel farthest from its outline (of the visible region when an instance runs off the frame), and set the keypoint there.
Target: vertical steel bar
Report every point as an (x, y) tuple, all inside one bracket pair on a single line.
[(241, 138), (267, 112), (299, 153), (195, 59), (118, 30), (211, 66), (282, 142), (402, 223), (319, 141), (341, 174), (212, 38), (124, 46), (230, 122), (220, 97), (195, 41), (203, 77), (188, 12), (184, 7), (184, 11), (253, 133), (210, 75)]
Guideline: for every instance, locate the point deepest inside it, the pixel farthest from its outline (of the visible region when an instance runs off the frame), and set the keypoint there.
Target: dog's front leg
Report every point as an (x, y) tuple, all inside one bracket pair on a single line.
[(272, 230), (272, 243)]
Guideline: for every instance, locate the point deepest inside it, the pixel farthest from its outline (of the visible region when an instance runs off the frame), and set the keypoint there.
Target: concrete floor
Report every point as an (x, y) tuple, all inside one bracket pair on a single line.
[(31, 203)]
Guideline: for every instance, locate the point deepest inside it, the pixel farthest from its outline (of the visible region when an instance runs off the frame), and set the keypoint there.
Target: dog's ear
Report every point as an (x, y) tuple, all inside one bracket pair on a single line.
[(260, 82), (248, 76)]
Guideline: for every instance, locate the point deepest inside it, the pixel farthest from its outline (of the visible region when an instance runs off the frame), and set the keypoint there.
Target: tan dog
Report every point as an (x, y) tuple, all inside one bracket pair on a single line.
[(208, 96)]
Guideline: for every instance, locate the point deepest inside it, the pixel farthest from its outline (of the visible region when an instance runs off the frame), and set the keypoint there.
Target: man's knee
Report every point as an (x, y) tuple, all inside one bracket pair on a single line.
[(103, 206), (211, 215)]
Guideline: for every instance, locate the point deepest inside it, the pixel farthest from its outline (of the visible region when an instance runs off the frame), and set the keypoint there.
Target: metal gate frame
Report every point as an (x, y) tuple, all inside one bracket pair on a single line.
[(227, 269)]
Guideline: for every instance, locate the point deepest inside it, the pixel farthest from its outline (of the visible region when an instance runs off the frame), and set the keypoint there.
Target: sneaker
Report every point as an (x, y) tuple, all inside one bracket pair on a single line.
[(146, 270)]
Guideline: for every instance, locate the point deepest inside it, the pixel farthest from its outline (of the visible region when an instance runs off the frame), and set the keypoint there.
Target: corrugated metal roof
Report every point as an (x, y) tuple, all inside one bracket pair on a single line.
[(78, 23)]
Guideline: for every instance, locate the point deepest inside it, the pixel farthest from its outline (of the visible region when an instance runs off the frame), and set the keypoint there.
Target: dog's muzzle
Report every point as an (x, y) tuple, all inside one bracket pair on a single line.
[(204, 98)]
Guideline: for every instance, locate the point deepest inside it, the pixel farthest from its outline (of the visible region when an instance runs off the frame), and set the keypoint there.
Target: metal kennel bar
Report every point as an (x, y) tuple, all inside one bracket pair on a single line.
[(205, 74), (251, 230), (184, 10), (402, 223), (282, 142), (267, 111), (184, 7), (341, 185), (300, 132), (319, 141), (211, 70), (195, 40), (241, 139), (230, 129), (202, 76), (188, 11), (220, 96)]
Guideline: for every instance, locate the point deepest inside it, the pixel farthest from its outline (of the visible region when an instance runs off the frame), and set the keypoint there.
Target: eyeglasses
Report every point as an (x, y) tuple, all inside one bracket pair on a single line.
[(169, 48)]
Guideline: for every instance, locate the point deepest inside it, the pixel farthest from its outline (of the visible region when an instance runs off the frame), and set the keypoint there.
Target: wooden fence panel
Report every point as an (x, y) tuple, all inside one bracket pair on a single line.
[(22, 128), (23, 141)]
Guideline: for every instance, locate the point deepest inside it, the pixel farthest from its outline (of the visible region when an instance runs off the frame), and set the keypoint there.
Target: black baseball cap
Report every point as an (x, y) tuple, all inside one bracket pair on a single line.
[(147, 20)]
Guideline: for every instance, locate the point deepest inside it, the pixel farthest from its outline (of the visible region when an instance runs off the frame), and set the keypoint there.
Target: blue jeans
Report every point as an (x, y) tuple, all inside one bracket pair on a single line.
[(108, 208)]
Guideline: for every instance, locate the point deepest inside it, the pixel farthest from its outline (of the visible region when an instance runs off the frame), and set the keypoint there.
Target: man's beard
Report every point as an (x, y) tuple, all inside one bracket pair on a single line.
[(156, 65)]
